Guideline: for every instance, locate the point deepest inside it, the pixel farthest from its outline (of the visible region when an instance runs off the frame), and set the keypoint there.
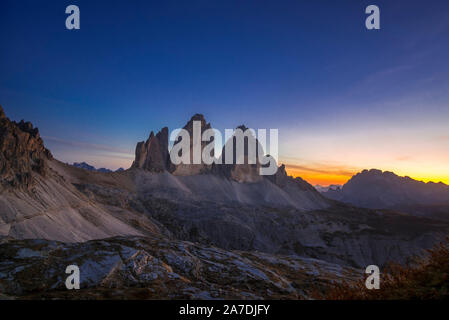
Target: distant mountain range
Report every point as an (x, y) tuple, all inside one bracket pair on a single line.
[(86, 166), (212, 231), (322, 189), (375, 189)]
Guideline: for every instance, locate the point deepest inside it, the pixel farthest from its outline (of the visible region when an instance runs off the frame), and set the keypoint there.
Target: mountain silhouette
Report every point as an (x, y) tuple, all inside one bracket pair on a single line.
[(385, 190)]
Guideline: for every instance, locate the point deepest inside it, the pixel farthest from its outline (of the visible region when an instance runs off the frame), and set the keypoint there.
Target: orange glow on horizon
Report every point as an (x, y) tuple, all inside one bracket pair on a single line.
[(325, 179)]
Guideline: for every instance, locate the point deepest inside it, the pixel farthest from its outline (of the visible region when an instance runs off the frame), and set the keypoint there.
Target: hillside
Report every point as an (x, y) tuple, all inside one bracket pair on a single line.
[(375, 189)]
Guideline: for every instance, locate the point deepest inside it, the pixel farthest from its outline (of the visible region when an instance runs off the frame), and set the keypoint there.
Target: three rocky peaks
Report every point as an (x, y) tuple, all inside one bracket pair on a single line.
[(153, 155), (22, 152)]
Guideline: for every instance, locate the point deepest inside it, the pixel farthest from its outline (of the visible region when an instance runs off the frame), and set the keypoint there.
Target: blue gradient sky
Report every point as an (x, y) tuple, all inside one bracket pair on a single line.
[(344, 98)]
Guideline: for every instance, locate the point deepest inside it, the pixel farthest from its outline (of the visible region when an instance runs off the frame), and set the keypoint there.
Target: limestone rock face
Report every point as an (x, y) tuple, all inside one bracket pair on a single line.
[(162, 138), (152, 155), (240, 169), (22, 152), (192, 169)]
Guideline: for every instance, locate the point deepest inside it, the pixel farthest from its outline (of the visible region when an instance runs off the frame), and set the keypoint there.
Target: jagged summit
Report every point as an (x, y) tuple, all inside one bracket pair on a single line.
[(242, 127), (387, 176), (88, 167), (241, 169), (377, 172), (22, 152), (153, 155), (197, 117), (193, 168)]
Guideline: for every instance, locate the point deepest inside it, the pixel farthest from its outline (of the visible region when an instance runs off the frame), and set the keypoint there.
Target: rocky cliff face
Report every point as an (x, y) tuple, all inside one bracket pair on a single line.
[(240, 168), (40, 196), (192, 169), (152, 155), (22, 152)]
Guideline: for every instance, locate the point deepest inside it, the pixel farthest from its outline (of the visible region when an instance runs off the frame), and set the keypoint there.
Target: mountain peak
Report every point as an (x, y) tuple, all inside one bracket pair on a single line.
[(197, 117), (378, 189), (242, 127), (376, 173), (152, 155), (22, 152), (372, 172)]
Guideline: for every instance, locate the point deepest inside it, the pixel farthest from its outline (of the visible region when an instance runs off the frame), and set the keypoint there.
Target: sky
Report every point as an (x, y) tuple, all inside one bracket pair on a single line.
[(343, 98)]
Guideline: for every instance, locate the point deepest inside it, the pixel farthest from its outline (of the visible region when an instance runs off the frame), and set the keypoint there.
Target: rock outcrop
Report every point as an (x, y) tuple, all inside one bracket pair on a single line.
[(283, 180), (152, 155), (192, 168), (157, 268), (241, 168), (22, 152)]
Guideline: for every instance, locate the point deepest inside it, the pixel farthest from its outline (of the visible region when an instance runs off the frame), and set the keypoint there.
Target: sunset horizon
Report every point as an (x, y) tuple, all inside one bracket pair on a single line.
[(353, 100), (224, 159), (324, 174)]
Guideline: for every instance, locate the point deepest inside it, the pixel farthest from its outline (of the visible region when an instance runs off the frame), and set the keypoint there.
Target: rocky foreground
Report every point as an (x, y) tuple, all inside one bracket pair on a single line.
[(154, 268)]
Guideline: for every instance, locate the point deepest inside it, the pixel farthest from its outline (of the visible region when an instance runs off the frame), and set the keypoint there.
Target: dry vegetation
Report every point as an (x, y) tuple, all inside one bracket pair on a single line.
[(428, 278)]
